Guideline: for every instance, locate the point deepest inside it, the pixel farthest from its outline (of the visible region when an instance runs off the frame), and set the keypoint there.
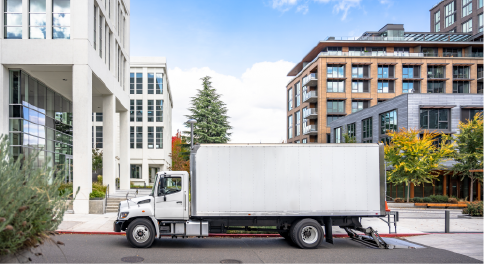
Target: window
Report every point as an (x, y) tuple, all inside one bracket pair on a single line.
[(139, 83), (171, 185), (333, 50), (460, 87), (377, 51), (131, 83), (297, 87), (305, 141), (411, 86), (480, 18), (151, 137), (468, 114), (337, 135), (289, 96), (135, 171), (356, 51), (450, 14), (298, 123), (401, 50), (430, 52), (131, 137), (61, 20), (386, 71), (159, 138), (386, 86), (437, 21), (467, 26), (99, 136), (360, 71), (461, 72), (358, 106), (388, 122), (289, 122), (452, 52), (479, 88), (479, 3), (305, 112), (99, 117), (435, 72), (159, 110), (106, 46), (101, 36), (159, 83), (13, 19), (350, 130), (151, 83), (336, 106), (410, 71), (151, 111), (336, 87), (434, 118), (139, 110), (359, 87), (436, 87), (367, 130), (37, 19), (336, 71), (466, 7), (331, 118), (131, 110), (139, 137)]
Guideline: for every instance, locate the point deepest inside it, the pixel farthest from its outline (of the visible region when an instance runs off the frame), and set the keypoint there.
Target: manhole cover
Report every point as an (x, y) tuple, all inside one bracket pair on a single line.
[(132, 259), (230, 261)]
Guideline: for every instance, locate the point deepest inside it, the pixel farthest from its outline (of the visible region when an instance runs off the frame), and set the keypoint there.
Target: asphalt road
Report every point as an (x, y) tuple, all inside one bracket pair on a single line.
[(109, 249)]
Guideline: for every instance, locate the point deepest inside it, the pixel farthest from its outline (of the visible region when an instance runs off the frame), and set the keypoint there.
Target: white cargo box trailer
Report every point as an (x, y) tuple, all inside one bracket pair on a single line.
[(295, 189)]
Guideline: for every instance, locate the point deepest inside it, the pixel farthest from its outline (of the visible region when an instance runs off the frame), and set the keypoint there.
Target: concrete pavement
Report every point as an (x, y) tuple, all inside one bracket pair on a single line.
[(466, 244)]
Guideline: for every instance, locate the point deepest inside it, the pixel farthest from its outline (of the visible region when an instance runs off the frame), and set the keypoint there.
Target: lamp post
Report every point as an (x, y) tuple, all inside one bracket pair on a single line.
[(191, 122)]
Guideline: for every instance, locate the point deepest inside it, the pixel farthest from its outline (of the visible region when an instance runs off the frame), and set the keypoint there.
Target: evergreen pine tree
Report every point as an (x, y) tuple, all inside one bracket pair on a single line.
[(211, 114)]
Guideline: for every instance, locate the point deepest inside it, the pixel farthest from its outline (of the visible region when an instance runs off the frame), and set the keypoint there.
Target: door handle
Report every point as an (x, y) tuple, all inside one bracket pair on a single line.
[(179, 202)]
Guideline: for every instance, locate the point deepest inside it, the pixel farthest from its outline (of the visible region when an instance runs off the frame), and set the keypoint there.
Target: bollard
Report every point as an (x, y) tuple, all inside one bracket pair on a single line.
[(447, 221)]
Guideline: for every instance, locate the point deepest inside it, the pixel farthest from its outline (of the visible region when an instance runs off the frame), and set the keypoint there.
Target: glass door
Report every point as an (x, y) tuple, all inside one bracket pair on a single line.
[(68, 168)]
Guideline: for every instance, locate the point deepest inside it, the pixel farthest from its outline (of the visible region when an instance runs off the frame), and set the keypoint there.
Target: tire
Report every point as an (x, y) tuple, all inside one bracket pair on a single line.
[(307, 233), (141, 233)]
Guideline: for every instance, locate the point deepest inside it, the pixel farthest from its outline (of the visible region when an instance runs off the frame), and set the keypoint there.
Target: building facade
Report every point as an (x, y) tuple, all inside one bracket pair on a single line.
[(61, 61), (439, 113), (343, 76), (456, 16)]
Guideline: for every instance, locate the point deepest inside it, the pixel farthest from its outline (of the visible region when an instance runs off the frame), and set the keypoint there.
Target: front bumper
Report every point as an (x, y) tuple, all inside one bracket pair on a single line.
[(117, 225)]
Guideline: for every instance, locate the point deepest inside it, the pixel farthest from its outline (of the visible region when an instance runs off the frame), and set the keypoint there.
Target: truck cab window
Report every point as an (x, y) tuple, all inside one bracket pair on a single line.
[(170, 185)]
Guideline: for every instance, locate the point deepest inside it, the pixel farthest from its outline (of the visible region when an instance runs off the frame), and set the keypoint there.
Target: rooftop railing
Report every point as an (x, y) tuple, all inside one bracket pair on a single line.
[(372, 53)]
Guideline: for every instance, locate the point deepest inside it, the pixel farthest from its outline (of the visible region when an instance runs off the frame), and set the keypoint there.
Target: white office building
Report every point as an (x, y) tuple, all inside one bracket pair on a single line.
[(61, 61), (150, 120)]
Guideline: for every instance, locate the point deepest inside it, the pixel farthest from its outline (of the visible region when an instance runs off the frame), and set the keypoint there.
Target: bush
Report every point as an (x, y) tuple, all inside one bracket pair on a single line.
[(473, 209), (452, 200), (98, 191), (439, 198), (96, 194), (399, 200), (31, 204), (100, 179), (66, 188), (417, 199), (427, 200)]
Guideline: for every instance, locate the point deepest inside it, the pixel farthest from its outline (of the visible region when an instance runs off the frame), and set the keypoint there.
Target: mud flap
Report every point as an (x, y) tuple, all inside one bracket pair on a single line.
[(328, 229)]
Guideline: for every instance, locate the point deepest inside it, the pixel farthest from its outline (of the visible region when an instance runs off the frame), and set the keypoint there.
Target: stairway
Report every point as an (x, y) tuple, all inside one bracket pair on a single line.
[(120, 195), (113, 203)]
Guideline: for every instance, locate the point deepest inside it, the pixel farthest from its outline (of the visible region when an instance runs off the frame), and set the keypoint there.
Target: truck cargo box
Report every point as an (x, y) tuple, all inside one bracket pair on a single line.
[(287, 180)]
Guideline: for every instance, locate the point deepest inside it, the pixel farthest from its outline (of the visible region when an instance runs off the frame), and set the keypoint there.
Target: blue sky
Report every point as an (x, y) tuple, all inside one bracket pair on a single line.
[(248, 46)]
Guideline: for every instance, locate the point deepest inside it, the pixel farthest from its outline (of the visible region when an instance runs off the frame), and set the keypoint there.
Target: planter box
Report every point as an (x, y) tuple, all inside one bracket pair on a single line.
[(400, 205), (446, 205), (97, 206)]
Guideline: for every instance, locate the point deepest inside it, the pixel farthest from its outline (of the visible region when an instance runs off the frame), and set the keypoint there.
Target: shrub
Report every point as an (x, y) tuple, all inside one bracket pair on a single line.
[(427, 200), (31, 204), (399, 200), (96, 194), (439, 198), (100, 179), (473, 209), (452, 200), (417, 199), (98, 191), (66, 188)]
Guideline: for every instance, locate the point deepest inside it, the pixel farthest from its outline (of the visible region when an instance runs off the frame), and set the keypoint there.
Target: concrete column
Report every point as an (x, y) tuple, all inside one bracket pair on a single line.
[(4, 100), (48, 29), (109, 142), (25, 19), (124, 150), (82, 117)]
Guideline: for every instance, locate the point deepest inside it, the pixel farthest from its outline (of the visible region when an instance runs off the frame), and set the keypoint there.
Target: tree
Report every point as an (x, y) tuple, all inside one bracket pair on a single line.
[(211, 114), (348, 138), (97, 159), (469, 155), (179, 162), (414, 157)]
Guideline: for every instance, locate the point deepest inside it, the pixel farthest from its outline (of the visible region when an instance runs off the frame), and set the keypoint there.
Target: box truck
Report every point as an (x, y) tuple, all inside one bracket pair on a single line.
[(298, 190)]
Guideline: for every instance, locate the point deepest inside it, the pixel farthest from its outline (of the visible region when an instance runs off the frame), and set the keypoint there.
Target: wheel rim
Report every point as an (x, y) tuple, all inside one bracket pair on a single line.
[(309, 234), (141, 233)]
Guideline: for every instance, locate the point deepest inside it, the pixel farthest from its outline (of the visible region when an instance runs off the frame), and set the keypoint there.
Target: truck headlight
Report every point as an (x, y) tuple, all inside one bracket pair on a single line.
[(124, 214)]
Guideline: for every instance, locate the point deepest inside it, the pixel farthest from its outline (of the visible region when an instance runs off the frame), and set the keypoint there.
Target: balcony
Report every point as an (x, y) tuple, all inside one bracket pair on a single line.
[(310, 130), (310, 97), (311, 113), (373, 54), (310, 80)]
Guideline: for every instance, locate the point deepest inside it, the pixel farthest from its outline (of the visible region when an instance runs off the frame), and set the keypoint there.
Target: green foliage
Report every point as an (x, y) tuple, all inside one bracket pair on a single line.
[(97, 159), (417, 199), (452, 200), (473, 209), (413, 157), (439, 198), (426, 200), (100, 179), (98, 190), (31, 204), (211, 114), (66, 188), (348, 138)]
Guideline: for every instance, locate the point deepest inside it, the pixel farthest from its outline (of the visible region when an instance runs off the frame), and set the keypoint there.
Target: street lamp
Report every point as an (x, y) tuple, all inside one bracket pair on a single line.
[(191, 122)]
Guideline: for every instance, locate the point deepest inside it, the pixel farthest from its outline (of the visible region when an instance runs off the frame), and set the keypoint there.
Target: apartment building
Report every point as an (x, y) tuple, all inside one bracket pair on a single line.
[(456, 16), (61, 61), (439, 113), (341, 76)]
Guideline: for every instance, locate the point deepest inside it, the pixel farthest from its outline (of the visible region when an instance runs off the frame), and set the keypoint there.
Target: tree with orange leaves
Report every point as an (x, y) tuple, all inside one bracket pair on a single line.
[(179, 162)]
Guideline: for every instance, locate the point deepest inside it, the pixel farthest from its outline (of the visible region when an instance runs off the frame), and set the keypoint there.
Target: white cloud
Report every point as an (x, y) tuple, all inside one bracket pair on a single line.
[(339, 5), (256, 102)]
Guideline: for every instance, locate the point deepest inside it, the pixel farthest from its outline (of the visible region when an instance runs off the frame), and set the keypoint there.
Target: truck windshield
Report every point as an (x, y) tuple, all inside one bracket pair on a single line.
[(153, 189)]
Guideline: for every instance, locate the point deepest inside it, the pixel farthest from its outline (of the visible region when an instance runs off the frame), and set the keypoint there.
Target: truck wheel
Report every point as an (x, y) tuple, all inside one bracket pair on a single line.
[(141, 233), (307, 233)]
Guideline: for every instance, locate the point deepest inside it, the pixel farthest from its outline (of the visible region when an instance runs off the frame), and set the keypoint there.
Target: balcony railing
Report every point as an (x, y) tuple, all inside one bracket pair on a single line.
[(461, 76), (435, 76), (310, 97), (311, 113), (453, 54), (372, 54), (310, 130), (310, 80)]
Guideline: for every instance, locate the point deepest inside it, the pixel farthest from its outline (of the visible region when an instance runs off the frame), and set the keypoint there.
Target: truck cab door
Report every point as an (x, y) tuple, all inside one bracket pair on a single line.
[(169, 202)]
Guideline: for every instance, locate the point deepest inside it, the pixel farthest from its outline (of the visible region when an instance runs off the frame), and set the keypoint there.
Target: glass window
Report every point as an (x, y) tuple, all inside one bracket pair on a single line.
[(385, 86), (350, 130), (99, 137), (135, 171), (359, 87), (336, 71), (336, 106), (437, 21), (151, 137), (337, 135), (452, 52), (101, 26), (388, 122), (139, 83), (305, 141), (170, 185), (151, 111), (367, 130), (467, 26), (289, 122), (410, 71), (411, 86), (480, 19), (460, 87), (159, 138), (131, 110), (434, 118), (37, 19), (139, 110), (99, 117), (61, 19), (297, 88), (333, 50), (151, 83), (357, 72), (159, 83), (298, 123), (131, 83), (139, 137), (385, 71), (479, 3), (289, 96), (430, 52), (159, 110), (450, 14), (358, 106), (435, 71), (466, 7), (331, 118), (461, 72), (13, 19), (131, 137), (336, 87)]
